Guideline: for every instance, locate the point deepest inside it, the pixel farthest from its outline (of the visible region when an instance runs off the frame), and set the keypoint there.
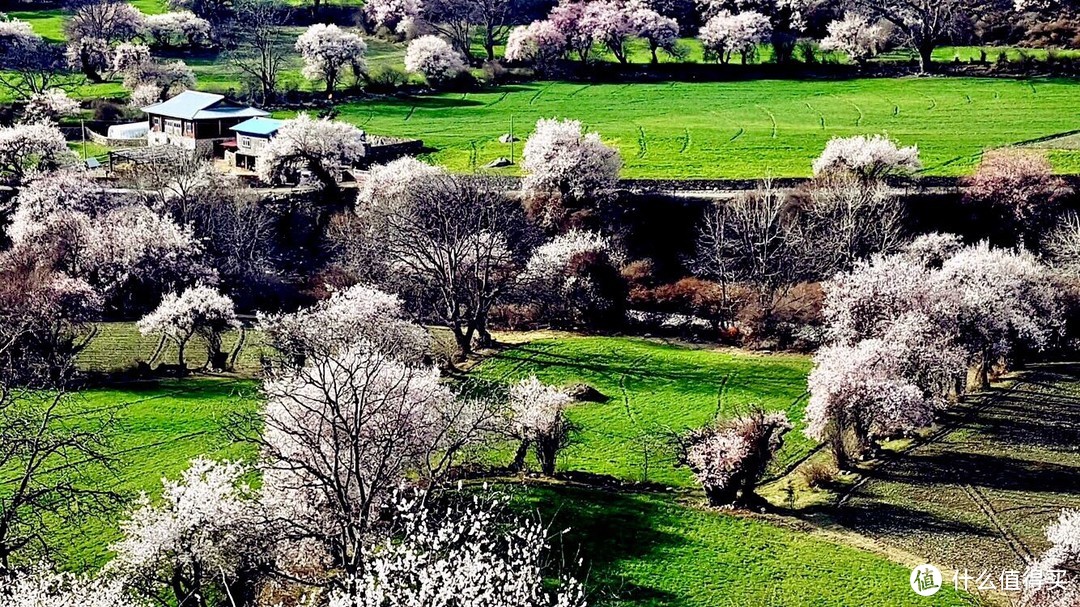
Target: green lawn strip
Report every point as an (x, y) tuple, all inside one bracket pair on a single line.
[(649, 549), (655, 390), (743, 129), (158, 427)]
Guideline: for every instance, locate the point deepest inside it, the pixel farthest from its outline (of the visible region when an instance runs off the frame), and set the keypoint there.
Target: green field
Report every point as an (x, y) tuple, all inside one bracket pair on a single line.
[(745, 129), (654, 390), (159, 427), (651, 550)]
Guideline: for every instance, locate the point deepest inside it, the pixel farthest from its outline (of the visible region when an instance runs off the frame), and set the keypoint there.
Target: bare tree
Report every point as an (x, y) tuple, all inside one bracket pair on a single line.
[(753, 239), (454, 244), (33, 66), (52, 460), (260, 52)]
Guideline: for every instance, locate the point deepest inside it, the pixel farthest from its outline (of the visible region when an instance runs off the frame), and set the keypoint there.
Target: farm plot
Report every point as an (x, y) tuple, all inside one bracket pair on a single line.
[(654, 390), (981, 496), (744, 129)]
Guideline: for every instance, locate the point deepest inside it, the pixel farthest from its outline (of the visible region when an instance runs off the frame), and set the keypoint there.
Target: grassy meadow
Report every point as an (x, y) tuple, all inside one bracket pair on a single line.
[(654, 391), (740, 129)]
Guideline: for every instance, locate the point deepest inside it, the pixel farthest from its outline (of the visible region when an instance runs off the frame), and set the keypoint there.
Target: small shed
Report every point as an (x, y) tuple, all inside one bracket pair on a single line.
[(133, 130)]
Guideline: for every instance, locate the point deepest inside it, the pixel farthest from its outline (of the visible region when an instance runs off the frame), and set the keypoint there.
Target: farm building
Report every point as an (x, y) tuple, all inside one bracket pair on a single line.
[(252, 135), (196, 121)]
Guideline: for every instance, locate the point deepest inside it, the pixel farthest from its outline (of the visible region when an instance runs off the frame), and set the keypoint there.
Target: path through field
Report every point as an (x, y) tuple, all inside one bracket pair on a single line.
[(981, 495)]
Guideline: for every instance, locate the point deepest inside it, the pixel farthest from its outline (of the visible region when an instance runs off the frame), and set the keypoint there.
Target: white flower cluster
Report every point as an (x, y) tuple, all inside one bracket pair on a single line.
[(394, 15), (549, 261), (42, 587), (540, 42), (868, 157), (25, 147), (320, 145), (197, 310), (435, 59), (470, 555), (856, 36), (559, 157), (178, 29), (728, 33), (327, 49), (50, 104), (357, 313), (536, 409)]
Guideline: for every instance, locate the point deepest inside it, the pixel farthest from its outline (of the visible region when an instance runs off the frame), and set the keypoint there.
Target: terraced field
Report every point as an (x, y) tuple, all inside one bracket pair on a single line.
[(741, 129)]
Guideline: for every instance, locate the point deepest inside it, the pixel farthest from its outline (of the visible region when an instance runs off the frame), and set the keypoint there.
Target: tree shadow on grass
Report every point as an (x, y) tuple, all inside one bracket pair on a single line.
[(997, 472), (605, 530), (876, 518)]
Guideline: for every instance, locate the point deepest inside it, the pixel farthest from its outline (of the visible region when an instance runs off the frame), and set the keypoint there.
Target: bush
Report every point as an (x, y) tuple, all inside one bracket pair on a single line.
[(818, 474), (386, 79)]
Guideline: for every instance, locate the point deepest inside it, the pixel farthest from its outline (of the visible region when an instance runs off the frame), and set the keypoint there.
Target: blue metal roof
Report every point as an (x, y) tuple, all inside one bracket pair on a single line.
[(196, 105), (258, 126)]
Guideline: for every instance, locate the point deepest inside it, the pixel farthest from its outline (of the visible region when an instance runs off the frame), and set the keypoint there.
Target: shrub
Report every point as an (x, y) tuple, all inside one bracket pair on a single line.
[(818, 474)]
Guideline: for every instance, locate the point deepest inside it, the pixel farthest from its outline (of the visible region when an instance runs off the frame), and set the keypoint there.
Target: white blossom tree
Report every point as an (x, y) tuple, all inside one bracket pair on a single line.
[(435, 59), (538, 419), (321, 146), (729, 458), (328, 51), (561, 158), (95, 27), (343, 431), (922, 24), (469, 554), (49, 105), (198, 310), (540, 43), (178, 29), (129, 55), (31, 65), (394, 15), (152, 81), (202, 543), (856, 36), (727, 33), (25, 147), (453, 243), (1051, 581), (868, 158), (329, 326)]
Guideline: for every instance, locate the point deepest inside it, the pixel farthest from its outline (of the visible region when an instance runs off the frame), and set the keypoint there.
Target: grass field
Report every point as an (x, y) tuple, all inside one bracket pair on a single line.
[(159, 427), (740, 129), (981, 495), (119, 346), (654, 390), (651, 550)]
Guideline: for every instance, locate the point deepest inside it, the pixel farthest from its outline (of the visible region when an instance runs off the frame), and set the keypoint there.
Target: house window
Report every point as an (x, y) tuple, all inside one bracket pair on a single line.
[(245, 141), (172, 127)]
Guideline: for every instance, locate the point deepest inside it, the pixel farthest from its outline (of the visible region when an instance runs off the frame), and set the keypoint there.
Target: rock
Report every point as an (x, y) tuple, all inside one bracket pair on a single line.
[(586, 393), (507, 138), (501, 161)]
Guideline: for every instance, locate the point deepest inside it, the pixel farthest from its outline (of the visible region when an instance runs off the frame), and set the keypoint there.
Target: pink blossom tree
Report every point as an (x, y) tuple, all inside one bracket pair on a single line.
[(729, 458), (610, 24), (662, 33), (1020, 190), (538, 419), (435, 59), (569, 18), (470, 553), (198, 310), (328, 51), (867, 157), (727, 33), (540, 43)]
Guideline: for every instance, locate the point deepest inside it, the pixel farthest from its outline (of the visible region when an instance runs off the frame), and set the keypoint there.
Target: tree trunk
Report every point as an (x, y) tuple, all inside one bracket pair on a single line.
[(926, 57), (655, 60), (519, 458)]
